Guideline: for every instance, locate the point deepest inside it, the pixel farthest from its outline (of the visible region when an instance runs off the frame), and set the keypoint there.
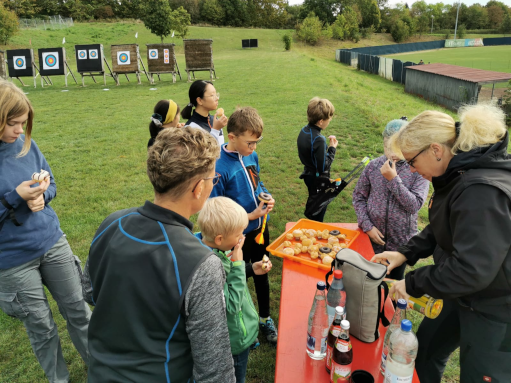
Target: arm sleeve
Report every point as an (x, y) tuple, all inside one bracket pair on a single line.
[(419, 246), (219, 137), (481, 241), (87, 285), (13, 199), (249, 270), (322, 157), (360, 197), (206, 325), (234, 287), (51, 192), (410, 199)]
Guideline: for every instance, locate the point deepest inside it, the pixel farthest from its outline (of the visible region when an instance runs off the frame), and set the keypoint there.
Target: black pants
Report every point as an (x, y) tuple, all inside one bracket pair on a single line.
[(253, 252), (485, 346), (310, 182)]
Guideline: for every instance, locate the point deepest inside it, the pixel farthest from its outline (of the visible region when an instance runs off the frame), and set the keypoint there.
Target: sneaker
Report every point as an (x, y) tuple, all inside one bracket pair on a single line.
[(255, 344), (269, 331)]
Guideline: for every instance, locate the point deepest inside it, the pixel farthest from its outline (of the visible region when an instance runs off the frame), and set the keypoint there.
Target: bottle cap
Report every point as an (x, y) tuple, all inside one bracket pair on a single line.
[(345, 325), (406, 325), (401, 304), (339, 310), (338, 274), (321, 286)]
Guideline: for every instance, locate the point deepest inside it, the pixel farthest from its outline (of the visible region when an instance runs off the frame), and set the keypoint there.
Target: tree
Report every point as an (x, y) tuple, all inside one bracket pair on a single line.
[(157, 18), (351, 30), (323, 9), (339, 27), (180, 21), (370, 13), (495, 16), (212, 12), (422, 23), (476, 17), (309, 30), (270, 13), (505, 28), (9, 25), (400, 31)]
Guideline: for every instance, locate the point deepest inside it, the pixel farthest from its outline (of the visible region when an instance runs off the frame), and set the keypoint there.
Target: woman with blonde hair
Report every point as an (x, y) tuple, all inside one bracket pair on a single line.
[(469, 236), (34, 251)]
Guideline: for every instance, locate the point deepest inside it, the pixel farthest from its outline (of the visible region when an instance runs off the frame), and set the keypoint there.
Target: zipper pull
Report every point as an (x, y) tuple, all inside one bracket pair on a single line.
[(431, 200)]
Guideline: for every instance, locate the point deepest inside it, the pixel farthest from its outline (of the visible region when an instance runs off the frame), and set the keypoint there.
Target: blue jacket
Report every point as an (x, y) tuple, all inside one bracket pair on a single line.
[(38, 231), (240, 182)]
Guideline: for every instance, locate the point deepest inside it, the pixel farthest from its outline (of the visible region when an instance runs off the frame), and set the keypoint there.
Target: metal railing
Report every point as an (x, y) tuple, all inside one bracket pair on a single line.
[(53, 22)]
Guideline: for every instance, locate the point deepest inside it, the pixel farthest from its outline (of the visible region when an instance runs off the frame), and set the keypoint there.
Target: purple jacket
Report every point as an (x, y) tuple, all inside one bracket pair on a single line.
[(391, 206)]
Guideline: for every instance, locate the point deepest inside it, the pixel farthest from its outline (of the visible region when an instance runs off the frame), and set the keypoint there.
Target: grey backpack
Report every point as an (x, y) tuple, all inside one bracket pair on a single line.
[(365, 293)]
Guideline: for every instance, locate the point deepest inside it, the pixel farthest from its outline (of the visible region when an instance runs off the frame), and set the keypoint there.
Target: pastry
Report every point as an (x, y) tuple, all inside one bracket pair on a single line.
[(265, 262), (314, 255), (335, 233), (324, 250), (289, 236), (304, 249), (41, 176), (297, 234), (288, 251), (306, 242), (327, 260), (219, 112), (287, 244), (333, 240), (297, 250)]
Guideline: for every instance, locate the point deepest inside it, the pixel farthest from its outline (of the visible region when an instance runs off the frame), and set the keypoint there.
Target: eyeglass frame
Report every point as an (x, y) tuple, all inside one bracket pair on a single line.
[(411, 162), (215, 178), (217, 95), (251, 143)]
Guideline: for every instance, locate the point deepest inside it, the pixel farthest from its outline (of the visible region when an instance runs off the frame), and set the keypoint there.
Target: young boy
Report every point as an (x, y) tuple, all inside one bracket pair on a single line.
[(316, 157), (238, 167), (222, 222)]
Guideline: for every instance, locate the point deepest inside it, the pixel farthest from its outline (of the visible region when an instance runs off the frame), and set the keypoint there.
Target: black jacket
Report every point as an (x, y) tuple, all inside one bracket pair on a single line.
[(469, 234), (316, 157)]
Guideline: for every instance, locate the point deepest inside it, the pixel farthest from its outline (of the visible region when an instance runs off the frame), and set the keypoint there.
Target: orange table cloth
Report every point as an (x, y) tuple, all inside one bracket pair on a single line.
[(298, 289)]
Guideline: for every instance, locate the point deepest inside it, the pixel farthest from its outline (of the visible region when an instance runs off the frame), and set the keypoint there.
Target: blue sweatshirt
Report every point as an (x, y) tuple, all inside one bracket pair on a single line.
[(38, 231), (240, 182)]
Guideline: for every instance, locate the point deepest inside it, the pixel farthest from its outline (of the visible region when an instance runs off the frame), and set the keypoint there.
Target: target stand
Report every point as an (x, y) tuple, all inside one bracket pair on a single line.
[(126, 59), (20, 63), (91, 61), (161, 59), (3, 71), (199, 57), (53, 62)]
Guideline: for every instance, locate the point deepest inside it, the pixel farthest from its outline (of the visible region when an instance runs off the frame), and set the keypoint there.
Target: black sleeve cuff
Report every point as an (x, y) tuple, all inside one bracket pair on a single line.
[(249, 270)]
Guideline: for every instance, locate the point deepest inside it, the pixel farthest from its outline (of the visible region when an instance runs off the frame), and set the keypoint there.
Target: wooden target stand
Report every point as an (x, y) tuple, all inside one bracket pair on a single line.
[(137, 72), (46, 80), (103, 73), (130, 67), (160, 64), (67, 72)]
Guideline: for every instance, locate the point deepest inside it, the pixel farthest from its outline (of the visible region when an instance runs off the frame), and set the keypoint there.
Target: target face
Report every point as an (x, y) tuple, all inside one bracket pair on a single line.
[(93, 53), (153, 53), (50, 60), (82, 54), (166, 57), (123, 58), (19, 62)]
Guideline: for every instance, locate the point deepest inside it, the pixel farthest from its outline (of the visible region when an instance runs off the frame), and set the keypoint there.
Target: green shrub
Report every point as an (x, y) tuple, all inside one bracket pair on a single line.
[(400, 31), (367, 32), (310, 29), (287, 41), (462, 31), (338, 27), (327, 32)]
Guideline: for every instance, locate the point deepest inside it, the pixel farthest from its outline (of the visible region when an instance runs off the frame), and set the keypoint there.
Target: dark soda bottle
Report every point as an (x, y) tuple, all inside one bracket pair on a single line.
[(342, 356), (333, 333)]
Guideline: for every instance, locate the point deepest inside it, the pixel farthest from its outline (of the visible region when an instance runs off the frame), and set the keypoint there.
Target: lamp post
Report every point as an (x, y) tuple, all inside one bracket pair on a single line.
[(432, 17), (456, 26)]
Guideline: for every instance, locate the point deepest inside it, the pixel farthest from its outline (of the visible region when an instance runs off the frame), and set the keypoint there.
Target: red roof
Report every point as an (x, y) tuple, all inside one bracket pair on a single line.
[(462, 73)]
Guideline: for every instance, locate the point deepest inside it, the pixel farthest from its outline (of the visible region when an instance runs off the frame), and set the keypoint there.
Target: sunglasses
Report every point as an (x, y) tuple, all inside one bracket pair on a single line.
[(215, 179)]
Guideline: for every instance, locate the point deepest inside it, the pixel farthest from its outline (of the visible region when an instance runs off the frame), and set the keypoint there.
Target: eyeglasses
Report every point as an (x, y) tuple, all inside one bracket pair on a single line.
[(217, 96), (411, 162), (215, 179), (252, 143)]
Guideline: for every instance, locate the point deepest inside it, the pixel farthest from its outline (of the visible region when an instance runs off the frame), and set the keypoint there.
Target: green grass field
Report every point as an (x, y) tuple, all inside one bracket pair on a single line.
[(95, 142)]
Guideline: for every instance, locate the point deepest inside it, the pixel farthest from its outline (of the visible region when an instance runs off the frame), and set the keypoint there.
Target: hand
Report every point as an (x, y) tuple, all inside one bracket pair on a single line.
[(389, 171), (391, 259), (237, 253), (333, 141), (398, 290), (259, 212), (218, 124), (258, 268), (180, 125), (376, 236), (36, 204), (28, 193)]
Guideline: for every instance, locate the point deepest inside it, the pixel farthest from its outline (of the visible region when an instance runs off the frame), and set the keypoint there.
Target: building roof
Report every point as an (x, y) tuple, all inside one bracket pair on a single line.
[(479, 76)]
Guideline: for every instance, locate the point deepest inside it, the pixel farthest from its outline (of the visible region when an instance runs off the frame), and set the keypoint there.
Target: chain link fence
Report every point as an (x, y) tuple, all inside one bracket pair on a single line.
[(52, 22)]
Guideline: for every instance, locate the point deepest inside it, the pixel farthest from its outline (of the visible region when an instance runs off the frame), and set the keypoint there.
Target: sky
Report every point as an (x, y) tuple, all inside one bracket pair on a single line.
[(410, 2)]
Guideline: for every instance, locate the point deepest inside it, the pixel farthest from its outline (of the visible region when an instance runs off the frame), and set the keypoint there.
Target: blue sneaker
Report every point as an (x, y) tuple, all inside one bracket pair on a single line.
[(269, 331), (255, 344)]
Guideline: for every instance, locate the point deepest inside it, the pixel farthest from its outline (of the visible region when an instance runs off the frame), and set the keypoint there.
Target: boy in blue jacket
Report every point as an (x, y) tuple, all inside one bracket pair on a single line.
[(239, 180)]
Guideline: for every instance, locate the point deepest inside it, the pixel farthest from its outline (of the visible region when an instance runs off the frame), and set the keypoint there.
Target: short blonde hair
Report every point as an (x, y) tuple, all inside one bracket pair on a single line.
[(480, 125), (221, 216), (180, 157), (14, 103), (319, 109)]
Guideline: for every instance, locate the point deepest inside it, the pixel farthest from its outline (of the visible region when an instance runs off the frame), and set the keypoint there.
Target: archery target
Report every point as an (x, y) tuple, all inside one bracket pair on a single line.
[(20, 62), (166, 56), (50, 60), (93, 53), (123, 58), (82, 54), (153, 53)]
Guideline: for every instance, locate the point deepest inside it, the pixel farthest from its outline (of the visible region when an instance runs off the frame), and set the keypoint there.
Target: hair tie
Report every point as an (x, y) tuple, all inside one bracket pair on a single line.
[(157, 119), (457, 127), (190, 105), (404, 118)]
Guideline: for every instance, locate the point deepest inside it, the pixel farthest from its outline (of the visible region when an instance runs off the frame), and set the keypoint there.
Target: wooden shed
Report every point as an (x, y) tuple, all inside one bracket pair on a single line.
[(126, 59), (199, 57), (161, 59), (450, 85)]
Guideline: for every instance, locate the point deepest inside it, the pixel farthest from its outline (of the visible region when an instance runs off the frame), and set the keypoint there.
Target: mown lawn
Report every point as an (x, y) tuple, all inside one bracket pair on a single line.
[(95, 142)]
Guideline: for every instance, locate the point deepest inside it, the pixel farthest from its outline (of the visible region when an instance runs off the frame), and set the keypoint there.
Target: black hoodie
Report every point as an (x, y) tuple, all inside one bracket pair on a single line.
[(469, 234)]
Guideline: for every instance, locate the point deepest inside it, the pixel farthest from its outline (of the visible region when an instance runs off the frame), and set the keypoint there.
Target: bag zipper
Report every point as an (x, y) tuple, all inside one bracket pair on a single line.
[(240, 316), (368, 274)]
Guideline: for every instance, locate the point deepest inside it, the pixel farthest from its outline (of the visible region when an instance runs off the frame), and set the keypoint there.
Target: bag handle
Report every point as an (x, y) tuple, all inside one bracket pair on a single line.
[(328, 275), (384, 321)]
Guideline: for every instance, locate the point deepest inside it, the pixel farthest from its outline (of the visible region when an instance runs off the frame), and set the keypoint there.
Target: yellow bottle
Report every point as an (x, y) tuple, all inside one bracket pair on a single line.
[(426, 305)]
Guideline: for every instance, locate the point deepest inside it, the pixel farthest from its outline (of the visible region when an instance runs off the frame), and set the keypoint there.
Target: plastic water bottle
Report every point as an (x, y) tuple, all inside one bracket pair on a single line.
[(399, 315), (336, 296), (318, 325), (403, 347)]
